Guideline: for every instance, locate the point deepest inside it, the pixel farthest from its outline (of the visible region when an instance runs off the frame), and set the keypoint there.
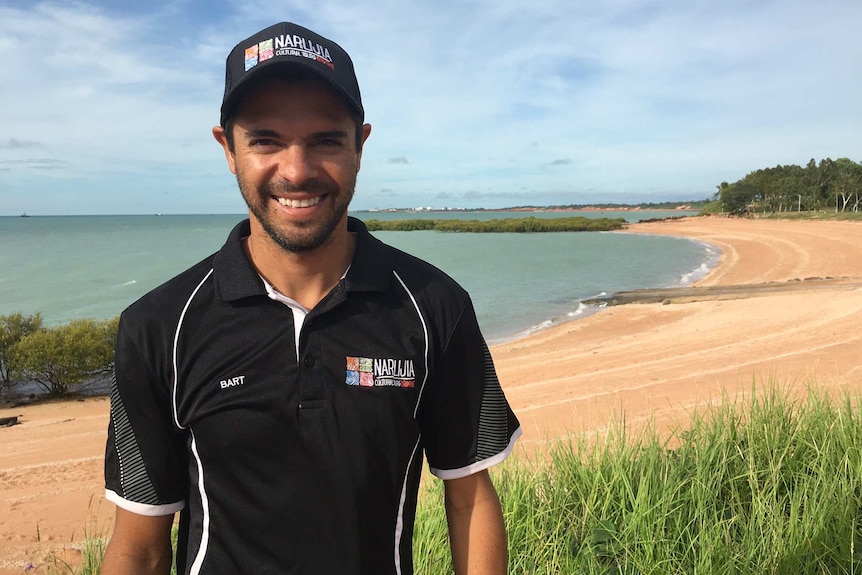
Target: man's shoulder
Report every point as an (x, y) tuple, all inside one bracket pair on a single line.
[(167, 300)]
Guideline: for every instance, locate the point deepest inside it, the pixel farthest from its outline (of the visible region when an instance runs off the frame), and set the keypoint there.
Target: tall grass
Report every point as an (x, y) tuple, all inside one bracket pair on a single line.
[(765, 485)]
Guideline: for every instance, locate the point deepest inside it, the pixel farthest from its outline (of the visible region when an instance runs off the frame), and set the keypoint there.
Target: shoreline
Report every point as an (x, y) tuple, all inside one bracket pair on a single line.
[(649, 361), (591, 305), (760, 315)]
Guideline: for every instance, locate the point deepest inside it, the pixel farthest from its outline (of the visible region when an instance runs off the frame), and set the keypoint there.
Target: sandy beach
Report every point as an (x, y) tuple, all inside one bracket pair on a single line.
[(783, 305)]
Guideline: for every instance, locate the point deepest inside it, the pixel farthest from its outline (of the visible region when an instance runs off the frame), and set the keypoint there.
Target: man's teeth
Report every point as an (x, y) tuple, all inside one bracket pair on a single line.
[(304, 203)]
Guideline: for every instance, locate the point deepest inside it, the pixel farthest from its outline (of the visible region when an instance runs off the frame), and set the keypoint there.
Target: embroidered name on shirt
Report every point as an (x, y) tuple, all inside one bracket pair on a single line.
[(369, 372), (232, 381)]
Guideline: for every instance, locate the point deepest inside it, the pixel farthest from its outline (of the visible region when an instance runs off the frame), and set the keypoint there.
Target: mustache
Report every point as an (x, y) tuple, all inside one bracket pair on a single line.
[(313, 186)]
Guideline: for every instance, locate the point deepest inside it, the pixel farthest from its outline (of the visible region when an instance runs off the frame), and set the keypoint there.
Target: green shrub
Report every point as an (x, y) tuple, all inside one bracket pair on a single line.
[(13, 328), (60, 359), (711, 208)]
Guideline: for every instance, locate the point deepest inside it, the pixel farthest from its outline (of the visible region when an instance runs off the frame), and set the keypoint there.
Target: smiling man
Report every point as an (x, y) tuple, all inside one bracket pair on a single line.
[(280, 395)]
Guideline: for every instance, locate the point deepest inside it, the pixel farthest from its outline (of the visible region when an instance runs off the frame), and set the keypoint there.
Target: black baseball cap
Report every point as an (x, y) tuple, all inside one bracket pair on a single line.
[(288, 43)]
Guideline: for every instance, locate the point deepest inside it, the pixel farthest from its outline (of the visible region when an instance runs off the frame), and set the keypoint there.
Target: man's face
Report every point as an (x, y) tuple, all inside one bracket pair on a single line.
[(296, 160)]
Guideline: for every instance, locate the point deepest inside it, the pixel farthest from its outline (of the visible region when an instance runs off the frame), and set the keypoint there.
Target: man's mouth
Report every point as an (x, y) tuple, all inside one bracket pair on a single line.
[(303, 203)]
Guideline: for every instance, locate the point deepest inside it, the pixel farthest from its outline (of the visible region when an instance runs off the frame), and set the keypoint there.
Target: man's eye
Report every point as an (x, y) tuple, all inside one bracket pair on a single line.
[(262, 143)]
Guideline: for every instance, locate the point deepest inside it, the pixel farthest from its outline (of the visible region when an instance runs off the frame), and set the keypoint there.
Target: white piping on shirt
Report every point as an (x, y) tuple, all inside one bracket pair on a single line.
[(399, 523), (205, 507), (478, 465), (176, 343), (424, 332), (143, 508), (196, 565)]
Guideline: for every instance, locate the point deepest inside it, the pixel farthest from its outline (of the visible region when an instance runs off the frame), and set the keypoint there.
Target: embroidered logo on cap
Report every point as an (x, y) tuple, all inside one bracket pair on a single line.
[(368, 372), (287, 45)]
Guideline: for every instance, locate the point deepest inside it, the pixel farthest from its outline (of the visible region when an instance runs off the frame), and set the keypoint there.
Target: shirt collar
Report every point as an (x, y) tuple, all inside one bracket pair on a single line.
[(371, 269), (235, 277)]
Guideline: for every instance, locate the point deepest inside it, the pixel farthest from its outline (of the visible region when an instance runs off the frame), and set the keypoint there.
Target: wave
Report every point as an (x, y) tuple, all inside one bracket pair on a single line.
[(694, 275), (712, 256), (582, 310)]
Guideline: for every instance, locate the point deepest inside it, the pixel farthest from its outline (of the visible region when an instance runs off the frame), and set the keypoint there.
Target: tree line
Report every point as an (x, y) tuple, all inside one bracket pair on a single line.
[(829, 184), (60, 360)]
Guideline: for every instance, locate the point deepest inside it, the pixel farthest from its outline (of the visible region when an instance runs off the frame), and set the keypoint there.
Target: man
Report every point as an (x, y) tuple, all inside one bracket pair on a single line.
[(280, 394)]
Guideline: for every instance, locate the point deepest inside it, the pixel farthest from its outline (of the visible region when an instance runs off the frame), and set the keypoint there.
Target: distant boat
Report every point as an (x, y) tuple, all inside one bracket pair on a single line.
[(24, 215)]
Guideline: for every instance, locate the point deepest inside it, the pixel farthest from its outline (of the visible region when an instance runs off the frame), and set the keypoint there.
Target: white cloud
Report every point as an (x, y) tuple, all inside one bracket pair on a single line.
[(483, 98)]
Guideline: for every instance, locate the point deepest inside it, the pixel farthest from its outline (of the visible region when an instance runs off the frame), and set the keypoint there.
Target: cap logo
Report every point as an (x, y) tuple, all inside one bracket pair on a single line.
[(287, 45)]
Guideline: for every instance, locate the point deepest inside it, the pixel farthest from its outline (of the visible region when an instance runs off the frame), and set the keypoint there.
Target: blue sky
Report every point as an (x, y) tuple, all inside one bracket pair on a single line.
[(106, 107)]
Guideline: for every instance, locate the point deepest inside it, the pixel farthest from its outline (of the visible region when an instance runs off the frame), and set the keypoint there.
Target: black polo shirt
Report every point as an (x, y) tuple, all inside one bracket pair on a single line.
[(300, 460)]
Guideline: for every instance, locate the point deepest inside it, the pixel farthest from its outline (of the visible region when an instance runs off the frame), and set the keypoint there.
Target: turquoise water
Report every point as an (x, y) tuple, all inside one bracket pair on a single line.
[(70, 267)]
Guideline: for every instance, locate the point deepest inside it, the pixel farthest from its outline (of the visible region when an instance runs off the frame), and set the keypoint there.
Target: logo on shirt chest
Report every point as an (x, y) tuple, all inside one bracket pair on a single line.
[(372, 372)]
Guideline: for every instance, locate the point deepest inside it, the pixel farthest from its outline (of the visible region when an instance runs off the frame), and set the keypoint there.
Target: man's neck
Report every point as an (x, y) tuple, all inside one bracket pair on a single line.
[(305, 277)]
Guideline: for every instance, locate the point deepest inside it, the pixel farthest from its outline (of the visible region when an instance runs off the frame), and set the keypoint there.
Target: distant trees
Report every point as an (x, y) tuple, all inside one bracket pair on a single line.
[(847, 183), (817, 186), (59, 359)]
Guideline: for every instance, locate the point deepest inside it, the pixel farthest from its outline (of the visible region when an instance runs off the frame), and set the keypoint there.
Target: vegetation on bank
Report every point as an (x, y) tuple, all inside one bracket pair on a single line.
[(13, 328), (502, 225), (834, 185), (62, 359), (814, 215), (765, 485)]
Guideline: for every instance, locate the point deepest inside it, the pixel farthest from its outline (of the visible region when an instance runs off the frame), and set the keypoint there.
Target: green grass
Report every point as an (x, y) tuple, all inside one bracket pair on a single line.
[(765, 485), (768, 486), (812, 215)]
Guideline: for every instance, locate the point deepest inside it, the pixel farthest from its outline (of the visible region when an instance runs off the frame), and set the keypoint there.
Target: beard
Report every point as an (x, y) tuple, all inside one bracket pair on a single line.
[(298, 236)]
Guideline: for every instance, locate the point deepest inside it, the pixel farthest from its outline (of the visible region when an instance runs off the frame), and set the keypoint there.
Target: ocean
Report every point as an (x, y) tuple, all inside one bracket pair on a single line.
[(74, 267)]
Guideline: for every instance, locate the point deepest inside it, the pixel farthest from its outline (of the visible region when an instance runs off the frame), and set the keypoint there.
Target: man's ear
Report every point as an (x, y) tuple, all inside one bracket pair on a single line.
[(366, 131), (221, 137)]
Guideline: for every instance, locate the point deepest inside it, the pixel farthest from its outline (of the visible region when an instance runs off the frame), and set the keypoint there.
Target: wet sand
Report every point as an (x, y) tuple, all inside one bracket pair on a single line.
[(784, 304)]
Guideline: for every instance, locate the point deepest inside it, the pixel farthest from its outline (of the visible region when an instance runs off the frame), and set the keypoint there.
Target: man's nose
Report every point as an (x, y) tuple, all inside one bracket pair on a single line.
[(296, 164)]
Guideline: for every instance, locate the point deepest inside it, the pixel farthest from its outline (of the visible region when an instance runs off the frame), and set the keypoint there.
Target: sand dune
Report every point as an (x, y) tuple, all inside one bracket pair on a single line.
[(784, 304)]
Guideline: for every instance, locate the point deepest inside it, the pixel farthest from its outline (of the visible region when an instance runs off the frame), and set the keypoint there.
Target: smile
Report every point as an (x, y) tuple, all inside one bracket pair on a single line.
[(304, 203)]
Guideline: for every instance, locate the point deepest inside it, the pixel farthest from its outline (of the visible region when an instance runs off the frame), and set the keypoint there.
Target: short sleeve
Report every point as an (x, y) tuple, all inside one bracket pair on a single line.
[(145, 465), (467, 425)]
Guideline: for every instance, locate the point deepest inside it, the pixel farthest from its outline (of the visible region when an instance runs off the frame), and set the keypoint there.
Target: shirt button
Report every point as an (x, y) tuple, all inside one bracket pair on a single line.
[(308, 361)]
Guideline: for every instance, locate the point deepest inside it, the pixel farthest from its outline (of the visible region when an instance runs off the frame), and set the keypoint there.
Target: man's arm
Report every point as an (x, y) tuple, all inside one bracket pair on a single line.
[(140, 545), (477, 533)]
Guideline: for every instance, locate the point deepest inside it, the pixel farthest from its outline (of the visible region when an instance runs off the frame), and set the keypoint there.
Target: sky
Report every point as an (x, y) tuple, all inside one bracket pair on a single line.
[(106, 107)]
